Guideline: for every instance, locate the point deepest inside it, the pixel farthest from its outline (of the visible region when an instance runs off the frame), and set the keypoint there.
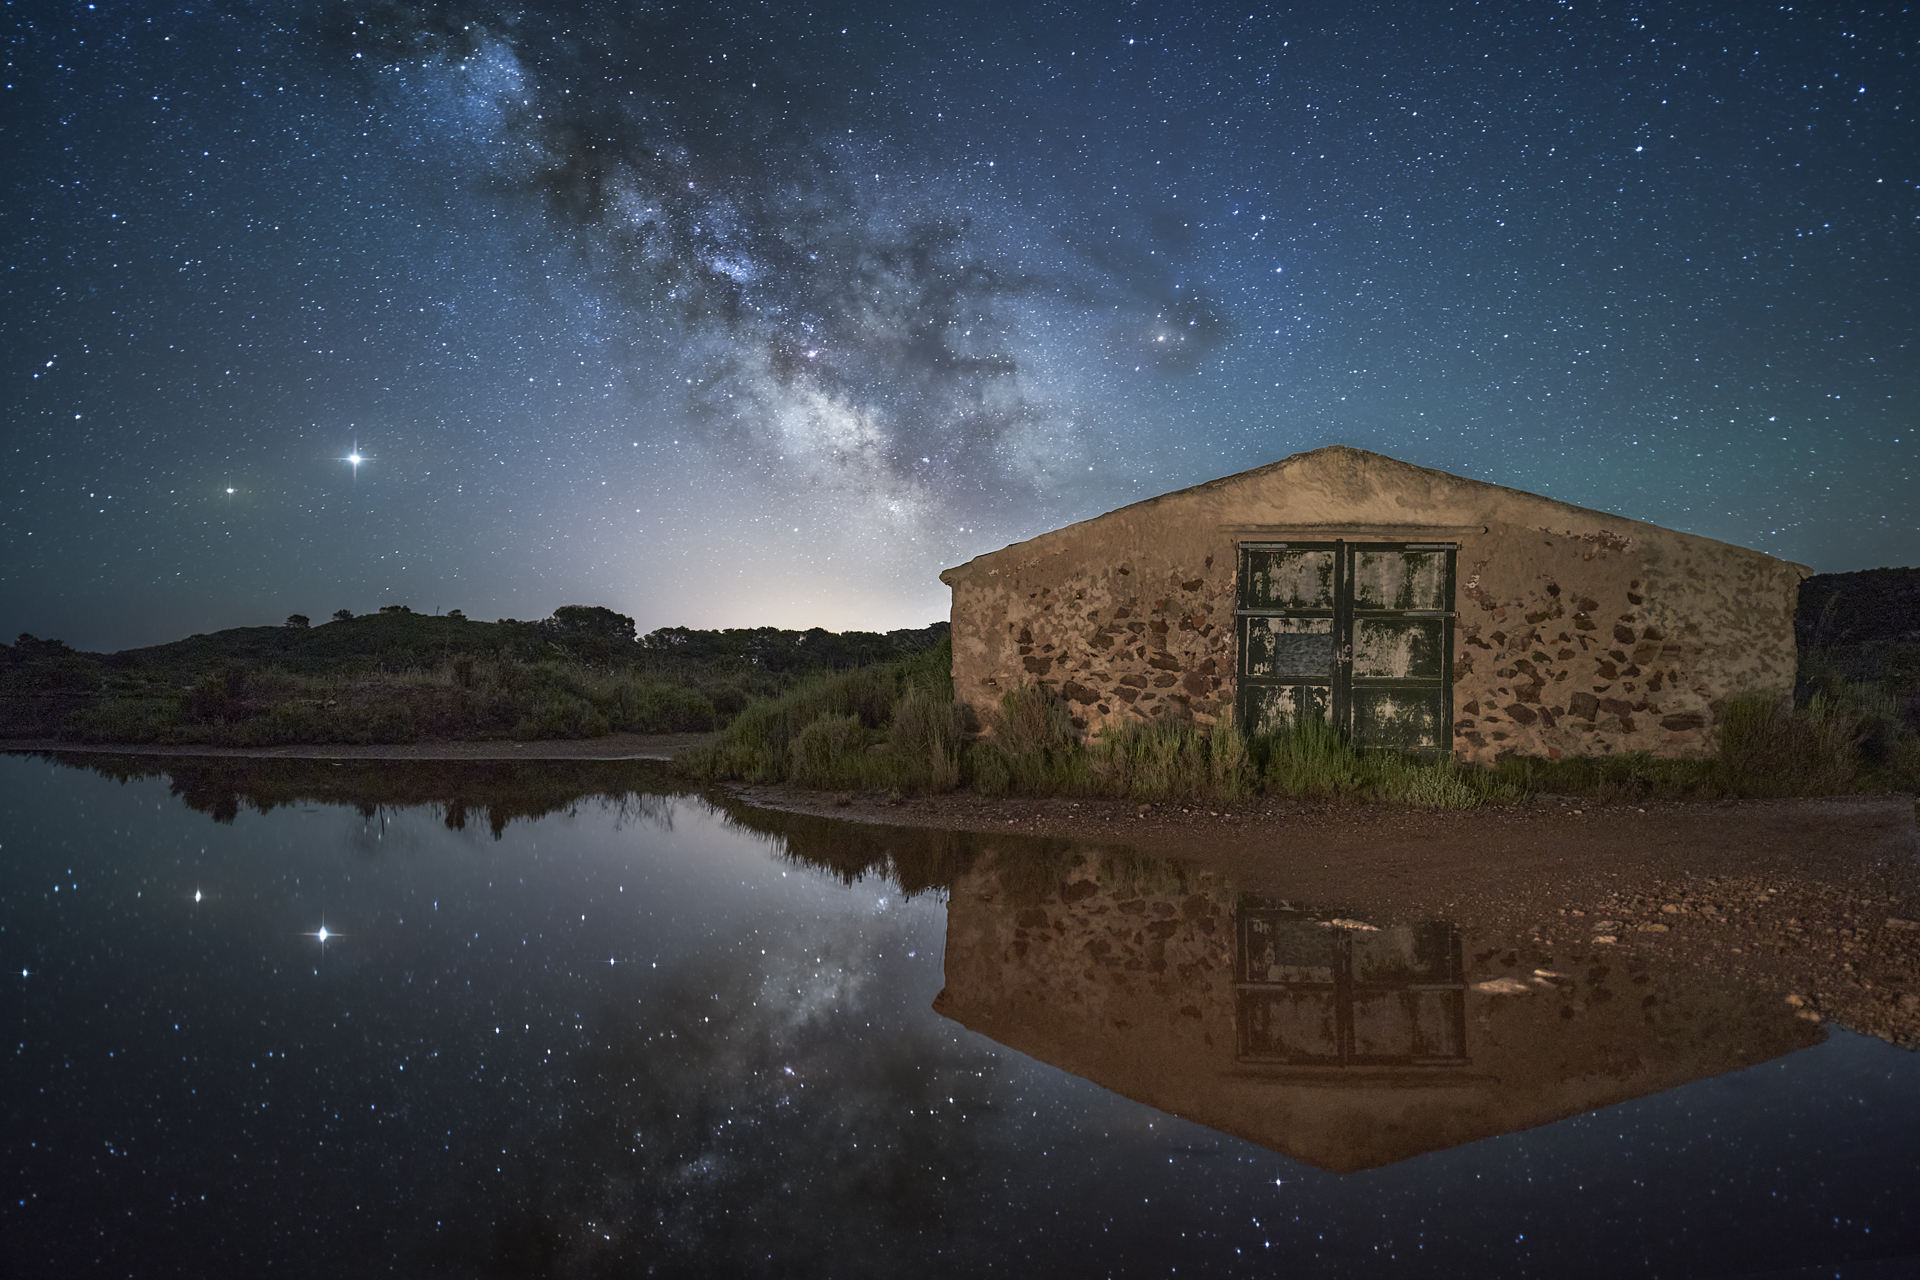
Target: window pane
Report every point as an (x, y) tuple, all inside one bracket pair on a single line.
[(1399, 648), (1288, 580), (1277, 708), (1400, 719), (1289, 648), (1400, 580)]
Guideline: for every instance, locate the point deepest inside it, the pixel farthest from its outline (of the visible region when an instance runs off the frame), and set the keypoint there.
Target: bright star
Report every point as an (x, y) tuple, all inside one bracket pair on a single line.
[(196, 895)]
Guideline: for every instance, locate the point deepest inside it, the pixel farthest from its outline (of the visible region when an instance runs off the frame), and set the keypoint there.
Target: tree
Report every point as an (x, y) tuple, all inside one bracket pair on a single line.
[(456, 615), (299, 621), (394, 608), (589, 632), (343, 615)]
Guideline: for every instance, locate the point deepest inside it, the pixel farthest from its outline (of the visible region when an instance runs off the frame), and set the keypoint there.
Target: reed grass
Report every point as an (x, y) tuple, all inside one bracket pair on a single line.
[(896, 728)]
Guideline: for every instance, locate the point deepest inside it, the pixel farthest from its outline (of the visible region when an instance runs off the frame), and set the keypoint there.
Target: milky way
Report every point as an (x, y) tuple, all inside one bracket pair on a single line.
[(732, 314)]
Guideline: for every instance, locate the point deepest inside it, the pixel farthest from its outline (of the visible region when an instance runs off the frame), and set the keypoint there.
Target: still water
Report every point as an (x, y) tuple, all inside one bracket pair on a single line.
[(507, 1020)]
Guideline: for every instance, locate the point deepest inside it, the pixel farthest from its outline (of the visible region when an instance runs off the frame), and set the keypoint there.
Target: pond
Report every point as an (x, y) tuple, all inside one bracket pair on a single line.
[(311, 1018)]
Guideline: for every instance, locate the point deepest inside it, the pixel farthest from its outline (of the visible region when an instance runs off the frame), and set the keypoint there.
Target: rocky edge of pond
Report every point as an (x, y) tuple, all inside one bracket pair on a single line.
[(1816, 899)]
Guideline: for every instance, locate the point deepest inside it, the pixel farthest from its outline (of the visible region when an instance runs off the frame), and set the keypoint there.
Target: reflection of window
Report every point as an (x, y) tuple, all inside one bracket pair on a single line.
[(1308, 993)]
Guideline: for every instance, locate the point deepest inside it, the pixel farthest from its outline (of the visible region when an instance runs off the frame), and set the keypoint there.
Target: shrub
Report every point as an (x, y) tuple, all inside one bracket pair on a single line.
[(560, 714), (297, 722), (1034, 745), (1421, 784), (511, 678), (758, 745), (1229, 760), (634, 706), (923, 744), (1152, 760), (828, 753), (1308, 761), (124, 720), (1769, 749), (374, 722)]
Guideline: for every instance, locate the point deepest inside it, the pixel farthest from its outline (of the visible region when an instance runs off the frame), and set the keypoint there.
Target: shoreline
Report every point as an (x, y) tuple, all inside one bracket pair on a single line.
[(1818, 899)]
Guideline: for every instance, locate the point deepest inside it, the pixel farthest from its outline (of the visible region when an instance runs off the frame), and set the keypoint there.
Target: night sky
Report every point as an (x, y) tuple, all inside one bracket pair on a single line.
[(742, 314)]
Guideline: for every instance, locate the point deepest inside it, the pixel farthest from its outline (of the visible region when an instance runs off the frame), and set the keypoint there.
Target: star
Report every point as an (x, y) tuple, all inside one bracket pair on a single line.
[(324, 935)]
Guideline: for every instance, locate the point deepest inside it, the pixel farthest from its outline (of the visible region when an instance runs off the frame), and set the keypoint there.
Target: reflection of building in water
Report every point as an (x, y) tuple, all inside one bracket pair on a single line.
[(1335, 1043), (1312, 993)]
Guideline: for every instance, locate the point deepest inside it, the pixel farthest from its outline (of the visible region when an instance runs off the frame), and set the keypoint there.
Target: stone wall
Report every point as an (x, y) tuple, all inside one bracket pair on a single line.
[(1579, 633), (1103, 975), (1572, 645)]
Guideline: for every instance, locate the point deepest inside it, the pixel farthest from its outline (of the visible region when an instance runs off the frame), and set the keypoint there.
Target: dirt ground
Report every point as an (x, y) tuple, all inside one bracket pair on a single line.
[(1818, 899), (615, 746)]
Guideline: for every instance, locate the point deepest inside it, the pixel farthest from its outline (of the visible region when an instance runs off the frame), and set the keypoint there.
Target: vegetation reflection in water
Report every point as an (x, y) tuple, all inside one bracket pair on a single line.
[(1341, 1043)]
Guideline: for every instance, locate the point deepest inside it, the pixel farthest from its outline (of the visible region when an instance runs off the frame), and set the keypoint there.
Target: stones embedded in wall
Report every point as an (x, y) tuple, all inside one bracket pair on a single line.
[(1574, 660), (1117, 646), (1116, 952)]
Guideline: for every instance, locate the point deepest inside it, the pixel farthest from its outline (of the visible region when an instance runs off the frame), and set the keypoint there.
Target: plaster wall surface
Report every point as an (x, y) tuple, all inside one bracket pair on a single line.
[(1579, 632)]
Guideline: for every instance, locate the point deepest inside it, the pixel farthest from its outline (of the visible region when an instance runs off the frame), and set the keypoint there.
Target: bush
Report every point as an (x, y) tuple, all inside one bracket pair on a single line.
[(829, 753), (923, 743), (633, 706), (1229, 760), (560, 714), (297, 722), (124, 720), (1309, 762), (1423, 784), (1767, 748), (1153, 760), (758, 745), (1032, 748)]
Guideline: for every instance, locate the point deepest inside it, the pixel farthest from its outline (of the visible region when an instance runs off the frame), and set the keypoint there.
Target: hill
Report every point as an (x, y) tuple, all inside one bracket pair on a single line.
[(396, 675), (1862, 628)]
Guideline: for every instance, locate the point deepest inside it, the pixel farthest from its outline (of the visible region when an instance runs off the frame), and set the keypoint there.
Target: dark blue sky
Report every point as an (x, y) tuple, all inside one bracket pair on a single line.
[(761, 313)]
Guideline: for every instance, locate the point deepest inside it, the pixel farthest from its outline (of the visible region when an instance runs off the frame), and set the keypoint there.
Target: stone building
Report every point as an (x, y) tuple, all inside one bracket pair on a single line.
[(1412, 609)]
